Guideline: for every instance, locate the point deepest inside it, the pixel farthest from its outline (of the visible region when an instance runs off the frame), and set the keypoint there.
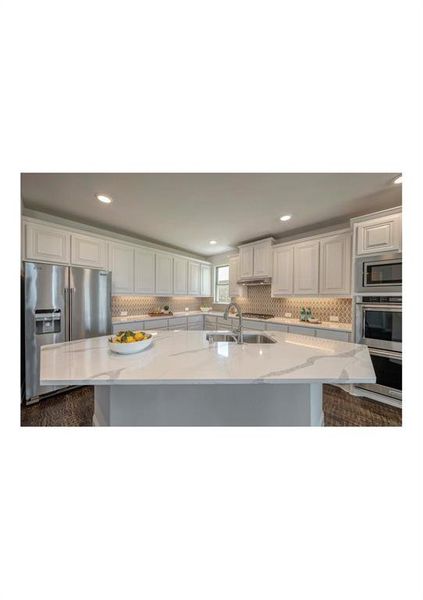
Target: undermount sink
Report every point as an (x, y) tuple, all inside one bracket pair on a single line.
[(257, 338), (221, 337), (247, 338)]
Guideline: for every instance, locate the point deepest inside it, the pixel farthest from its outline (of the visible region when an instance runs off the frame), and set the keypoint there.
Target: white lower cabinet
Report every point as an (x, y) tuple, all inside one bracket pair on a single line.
[(178, 323), (164, 274), (145, 271), (156, 324), (210, 323), (276, 327), (46, 243), (196, 322), (255, 325), (340, 336), (121, 263), (301, 330)]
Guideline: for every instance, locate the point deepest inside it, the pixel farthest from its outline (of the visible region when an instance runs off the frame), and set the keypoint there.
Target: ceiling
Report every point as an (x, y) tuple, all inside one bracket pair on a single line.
[(188, 210)]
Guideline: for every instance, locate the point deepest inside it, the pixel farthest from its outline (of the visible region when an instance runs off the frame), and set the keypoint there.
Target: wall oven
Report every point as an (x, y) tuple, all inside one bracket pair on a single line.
[(379, 326), (381, 273)]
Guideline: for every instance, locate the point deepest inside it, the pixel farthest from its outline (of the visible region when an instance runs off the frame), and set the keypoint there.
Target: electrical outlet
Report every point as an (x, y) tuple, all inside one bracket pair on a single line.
[(334, 319), (123, 313), (288, 315)]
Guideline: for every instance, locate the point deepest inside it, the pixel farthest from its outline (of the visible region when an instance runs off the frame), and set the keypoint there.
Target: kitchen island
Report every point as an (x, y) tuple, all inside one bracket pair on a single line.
[(183, 379)]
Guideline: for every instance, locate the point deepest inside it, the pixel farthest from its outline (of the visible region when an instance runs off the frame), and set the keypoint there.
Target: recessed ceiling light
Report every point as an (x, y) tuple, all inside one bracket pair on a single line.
[(103, 198), (398, 179), (285, 218), (213, 242)]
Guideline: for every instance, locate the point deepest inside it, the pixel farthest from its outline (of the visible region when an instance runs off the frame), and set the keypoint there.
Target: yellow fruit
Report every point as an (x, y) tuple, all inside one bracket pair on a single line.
[(130, 339), (139, 336)]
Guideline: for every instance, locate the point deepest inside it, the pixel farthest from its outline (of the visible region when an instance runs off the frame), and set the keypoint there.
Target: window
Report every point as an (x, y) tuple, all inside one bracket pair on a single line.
[(221, 291)]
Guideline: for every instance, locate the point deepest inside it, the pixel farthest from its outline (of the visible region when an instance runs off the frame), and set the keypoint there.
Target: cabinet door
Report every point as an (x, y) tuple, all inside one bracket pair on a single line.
[(302, 330), (328, 334), (156, 324), (47, 244), (180, 276), (205, 280), (306, 268), (234, 288), (145, 271), (335, 265), (256, 325), (246, 261), (283, 271), (196, 322), (194, 285), (178, 323), (276, 327), (88, 251), (210, 323), (164, 274), (121, 263), (379, 235), (132, 325), (262, 260)]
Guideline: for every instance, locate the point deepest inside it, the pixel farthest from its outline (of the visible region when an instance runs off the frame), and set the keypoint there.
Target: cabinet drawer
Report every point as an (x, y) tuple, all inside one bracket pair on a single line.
[(178, 323), (157, 324), (302, 330), (276, 327), (196, 319), (341, 336), (133, 326), (256, 325)]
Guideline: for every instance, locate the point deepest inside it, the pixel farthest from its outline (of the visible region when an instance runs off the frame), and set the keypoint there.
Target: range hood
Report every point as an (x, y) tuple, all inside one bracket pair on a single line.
[(255, 281)]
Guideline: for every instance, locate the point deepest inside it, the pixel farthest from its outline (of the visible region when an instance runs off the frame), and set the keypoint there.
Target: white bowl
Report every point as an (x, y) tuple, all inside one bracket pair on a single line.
[(131, 347), (206, 308)]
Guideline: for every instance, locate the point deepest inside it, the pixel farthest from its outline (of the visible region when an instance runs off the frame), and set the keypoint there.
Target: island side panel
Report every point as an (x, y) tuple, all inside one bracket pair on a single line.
[(258, 405)]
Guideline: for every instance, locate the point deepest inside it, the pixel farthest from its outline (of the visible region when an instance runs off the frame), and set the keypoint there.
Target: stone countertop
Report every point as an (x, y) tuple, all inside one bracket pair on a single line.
[(214, 313), (186, 357)]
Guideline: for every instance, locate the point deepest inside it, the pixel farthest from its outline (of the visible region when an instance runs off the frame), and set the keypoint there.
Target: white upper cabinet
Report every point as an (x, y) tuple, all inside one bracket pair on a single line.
[(306, 268), (246, 265), (164, 274), (180, 276), (145, 271), (46, 243), (381, 234), (205, 275), (121, 263), (256, 259), (234, 288), (194, 282), (283, 271), (88, 251), (262, 259), (335, 265)]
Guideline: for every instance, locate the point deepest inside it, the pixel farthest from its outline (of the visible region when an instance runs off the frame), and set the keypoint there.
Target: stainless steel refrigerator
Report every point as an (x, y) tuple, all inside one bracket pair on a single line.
[(61, 304)]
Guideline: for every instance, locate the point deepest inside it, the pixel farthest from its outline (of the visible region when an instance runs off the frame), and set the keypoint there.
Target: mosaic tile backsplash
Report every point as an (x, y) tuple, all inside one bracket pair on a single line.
[(141, 305), (259, 300)]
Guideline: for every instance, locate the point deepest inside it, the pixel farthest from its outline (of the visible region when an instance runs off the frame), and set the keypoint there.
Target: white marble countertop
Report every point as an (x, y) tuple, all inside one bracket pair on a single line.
[(186, 357), (214, 313)]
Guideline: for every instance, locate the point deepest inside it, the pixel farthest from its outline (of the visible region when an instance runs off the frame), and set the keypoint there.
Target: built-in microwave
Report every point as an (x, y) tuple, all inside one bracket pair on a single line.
[(381, 273)]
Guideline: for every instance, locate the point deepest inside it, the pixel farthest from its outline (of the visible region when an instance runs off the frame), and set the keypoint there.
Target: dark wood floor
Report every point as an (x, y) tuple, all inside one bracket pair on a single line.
[(76, 408)]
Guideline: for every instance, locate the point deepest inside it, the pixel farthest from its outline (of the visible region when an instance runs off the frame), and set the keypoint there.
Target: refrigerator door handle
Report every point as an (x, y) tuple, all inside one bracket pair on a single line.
[(71, 291), (66, 316)]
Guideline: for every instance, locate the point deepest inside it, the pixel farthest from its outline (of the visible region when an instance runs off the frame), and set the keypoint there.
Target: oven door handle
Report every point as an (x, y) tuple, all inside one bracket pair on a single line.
[(386, 353), (381, 307)]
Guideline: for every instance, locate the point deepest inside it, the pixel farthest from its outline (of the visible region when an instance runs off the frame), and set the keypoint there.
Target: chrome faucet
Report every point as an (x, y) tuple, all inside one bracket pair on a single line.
[(240, 338)]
